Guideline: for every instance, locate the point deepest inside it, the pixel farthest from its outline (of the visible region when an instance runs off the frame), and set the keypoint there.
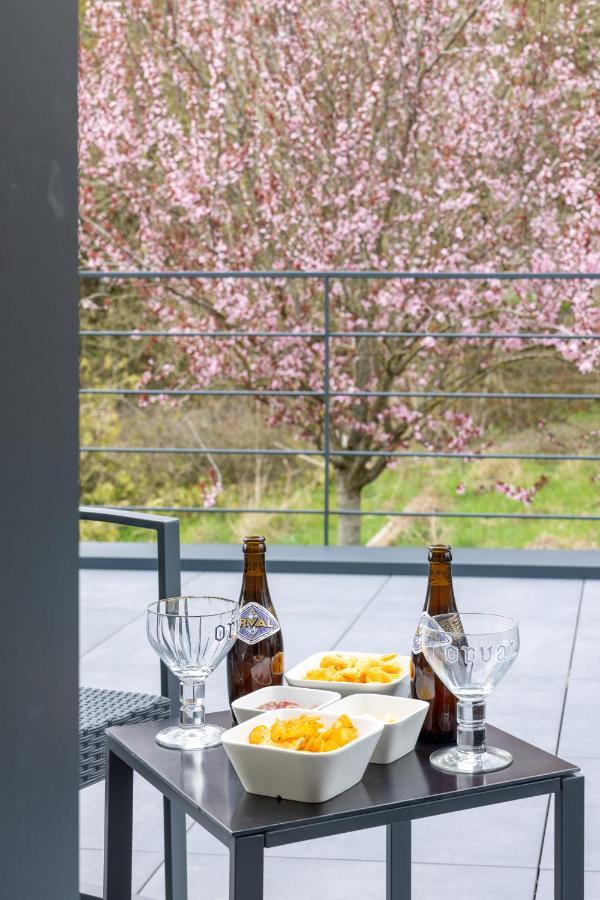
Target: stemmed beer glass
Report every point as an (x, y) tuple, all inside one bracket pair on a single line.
[(192, 635), (470, 653)]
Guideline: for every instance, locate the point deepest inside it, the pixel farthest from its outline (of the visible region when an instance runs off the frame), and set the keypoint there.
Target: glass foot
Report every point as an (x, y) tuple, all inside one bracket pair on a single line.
[(451, 759), (197, 737)]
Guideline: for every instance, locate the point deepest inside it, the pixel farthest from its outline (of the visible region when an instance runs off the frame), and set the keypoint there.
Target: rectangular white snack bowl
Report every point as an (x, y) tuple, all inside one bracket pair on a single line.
[(308, 698), (297, 774), (400, 687), (398, 738)]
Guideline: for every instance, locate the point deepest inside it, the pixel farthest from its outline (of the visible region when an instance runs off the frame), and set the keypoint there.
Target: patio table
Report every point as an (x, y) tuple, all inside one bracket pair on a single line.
[(205, 786)]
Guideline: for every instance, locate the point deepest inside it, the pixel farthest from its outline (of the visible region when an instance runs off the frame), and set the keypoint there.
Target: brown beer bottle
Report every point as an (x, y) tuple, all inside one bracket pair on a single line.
[(440, 722), (256, 659)]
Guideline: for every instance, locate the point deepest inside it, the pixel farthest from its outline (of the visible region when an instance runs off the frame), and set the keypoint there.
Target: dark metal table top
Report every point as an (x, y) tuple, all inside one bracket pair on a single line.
[(205, 783)]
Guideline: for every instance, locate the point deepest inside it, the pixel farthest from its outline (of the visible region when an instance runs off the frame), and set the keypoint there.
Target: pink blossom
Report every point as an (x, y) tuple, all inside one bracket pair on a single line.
[(310, 135)]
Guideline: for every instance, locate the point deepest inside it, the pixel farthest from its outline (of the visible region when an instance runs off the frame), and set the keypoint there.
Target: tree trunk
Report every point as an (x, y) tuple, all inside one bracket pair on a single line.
[(348, 497)]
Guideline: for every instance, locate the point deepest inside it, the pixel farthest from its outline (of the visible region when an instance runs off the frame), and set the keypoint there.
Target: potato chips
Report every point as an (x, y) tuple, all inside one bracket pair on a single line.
[(306, 733), (357, 670)]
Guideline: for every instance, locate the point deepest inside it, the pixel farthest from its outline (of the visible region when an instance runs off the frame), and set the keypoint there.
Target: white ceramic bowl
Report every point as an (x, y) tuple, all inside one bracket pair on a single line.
[(400, 687), (398, 738), (297, 774), (308, 698)]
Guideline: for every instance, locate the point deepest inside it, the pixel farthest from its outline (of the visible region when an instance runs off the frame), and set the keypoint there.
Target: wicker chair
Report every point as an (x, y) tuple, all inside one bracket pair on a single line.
[(101, 709)]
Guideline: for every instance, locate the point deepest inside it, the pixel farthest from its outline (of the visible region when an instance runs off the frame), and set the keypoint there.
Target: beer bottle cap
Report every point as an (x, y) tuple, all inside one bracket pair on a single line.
[(439, 553), (254, 543)]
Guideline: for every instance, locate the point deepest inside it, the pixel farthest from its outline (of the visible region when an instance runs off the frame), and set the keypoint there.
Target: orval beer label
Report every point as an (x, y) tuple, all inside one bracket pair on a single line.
[(256, 623), (426, 621)]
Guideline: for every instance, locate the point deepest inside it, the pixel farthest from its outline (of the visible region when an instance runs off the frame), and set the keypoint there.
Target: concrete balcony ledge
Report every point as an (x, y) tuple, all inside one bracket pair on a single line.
[(351, 560)]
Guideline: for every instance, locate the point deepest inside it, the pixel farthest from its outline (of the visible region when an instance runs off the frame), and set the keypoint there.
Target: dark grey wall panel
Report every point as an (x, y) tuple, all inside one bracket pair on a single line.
[(38, 450)]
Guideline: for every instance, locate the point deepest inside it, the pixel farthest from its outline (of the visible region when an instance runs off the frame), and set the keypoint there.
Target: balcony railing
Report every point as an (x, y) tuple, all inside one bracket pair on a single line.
[(326, 334)]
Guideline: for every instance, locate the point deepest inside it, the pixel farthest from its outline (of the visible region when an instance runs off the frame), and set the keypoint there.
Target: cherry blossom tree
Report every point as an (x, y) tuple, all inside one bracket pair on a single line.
[(429, 135)]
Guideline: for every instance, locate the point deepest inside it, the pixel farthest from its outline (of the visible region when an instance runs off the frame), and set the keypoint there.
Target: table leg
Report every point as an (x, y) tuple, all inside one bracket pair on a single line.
[(246, 864), (175, 852), (118, 829), (569, 839), (398, 861)]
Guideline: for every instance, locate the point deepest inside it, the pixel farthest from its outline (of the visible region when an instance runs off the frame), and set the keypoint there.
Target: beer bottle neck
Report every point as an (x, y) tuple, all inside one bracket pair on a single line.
[(440, 592), (254, 563), (255, 588)]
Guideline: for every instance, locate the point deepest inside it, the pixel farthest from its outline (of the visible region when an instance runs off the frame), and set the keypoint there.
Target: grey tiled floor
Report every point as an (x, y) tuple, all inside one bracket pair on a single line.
[(550, 697)]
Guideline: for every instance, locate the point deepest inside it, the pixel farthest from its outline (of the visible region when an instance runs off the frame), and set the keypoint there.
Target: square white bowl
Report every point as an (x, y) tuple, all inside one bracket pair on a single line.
[(308, 698), (400, 687), (298, 774), (397, 738)]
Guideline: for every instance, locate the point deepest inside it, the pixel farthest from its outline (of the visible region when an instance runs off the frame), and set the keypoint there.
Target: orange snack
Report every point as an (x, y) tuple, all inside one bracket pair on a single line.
[(258, 735), (357, 670), (305, 733)]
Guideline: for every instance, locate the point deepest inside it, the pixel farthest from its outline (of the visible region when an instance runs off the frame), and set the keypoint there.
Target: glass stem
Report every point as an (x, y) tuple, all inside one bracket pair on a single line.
[(470, 726), (191, 696)]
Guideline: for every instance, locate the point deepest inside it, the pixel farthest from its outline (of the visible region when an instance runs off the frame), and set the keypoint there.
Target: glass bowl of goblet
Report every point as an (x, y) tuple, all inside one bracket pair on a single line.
[(470, 653), (192, 635)]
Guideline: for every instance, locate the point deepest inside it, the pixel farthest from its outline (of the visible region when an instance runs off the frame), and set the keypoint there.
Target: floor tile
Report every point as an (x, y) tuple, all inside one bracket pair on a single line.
[(108, 585), (580, 734), (222, 584), (125, 661), (400, 599), (528, 708), (109, 601), (545, 609), (591, 771), (591, 595), (324, 596), (301, 641), (131, 643), (545, 888), (586, 658), (199, 841), (375, 634), (300, 879), (147, 817), (121, 676), (99, 625), (506, 834), (541, 598), (91, 864), (321, 595)]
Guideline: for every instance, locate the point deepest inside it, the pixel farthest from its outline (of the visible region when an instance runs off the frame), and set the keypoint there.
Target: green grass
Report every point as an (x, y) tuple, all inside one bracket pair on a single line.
[(428, 486), (425, 485), (432, 485)]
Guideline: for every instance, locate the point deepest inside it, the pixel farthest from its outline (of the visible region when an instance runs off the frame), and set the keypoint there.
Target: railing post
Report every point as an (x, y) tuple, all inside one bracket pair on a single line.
[(169, 585), (326, 416)]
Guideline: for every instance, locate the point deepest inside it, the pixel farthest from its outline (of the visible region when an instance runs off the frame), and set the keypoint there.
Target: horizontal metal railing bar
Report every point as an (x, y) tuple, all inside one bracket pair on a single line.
[(194, 392), (404, 454), (446, 335), (86, 274), (260, 392), (365, 512), (207, 334), (325, 334), (471, 395), (213, 451)]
